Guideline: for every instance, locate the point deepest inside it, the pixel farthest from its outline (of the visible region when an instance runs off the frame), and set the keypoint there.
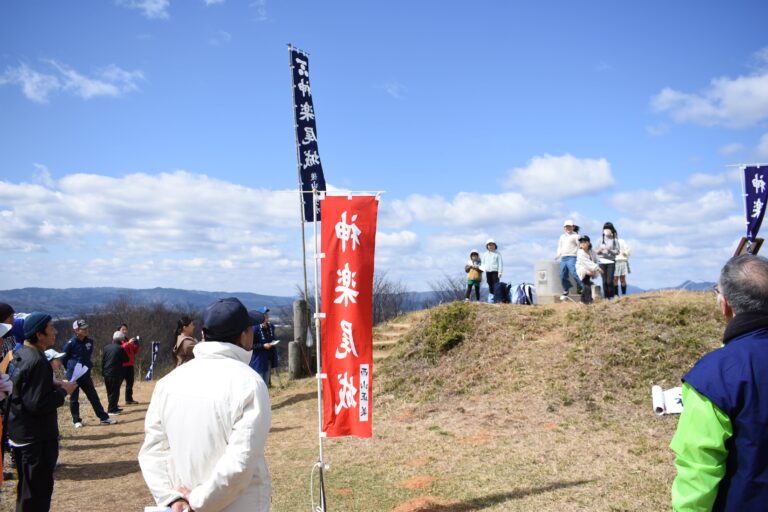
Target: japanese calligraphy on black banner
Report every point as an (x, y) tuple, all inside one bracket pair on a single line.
[(756, 195), (310, 167)]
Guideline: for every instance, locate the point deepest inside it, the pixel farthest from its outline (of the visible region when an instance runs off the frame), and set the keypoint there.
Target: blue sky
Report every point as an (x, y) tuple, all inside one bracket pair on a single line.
[(150, 143)]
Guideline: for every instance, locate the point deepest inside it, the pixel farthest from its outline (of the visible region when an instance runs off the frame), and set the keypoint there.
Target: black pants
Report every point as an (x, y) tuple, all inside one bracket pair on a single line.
[(86, 384), (113, 384), (492, 278), (35, 464), (608, 288), (476, 286), (586, 294), (128, 370)]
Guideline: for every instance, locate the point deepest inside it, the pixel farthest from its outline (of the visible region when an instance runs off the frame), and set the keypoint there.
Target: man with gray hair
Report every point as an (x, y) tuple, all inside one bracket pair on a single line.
[(721, 441)]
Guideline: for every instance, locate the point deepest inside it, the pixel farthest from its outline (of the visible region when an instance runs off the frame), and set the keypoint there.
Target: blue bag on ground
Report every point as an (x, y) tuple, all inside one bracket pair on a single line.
[(501, 293), (524, 293)]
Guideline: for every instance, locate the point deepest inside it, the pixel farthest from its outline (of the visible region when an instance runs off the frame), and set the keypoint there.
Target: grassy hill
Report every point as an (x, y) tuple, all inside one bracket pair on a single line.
[(526, 408)]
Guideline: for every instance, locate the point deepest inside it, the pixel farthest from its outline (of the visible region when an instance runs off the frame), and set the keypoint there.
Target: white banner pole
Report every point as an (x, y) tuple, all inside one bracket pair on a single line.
[(318, 375)]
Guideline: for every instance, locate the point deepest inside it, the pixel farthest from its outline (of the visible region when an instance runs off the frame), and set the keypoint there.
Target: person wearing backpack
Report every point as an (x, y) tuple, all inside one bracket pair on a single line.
[(492, 264), (474, 275)]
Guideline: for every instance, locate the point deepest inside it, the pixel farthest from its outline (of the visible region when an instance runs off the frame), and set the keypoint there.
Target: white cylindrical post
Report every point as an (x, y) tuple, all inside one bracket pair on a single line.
[(318, 374)]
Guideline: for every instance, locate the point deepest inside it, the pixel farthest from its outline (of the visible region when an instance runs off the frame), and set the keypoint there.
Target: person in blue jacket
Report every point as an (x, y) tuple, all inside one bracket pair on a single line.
[(721, 441), (264, 356), (78, 350)]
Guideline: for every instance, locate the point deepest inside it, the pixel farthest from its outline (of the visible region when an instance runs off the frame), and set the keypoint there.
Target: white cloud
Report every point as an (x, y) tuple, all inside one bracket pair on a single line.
[(657, 130), (762, 147), (731, 149), (213, 2), (34, 85), (401, 240), (559, 177), (394, 89), (37, 86), (151, 9), (220, 38), (731, 102), (471, 209), (261, 10)]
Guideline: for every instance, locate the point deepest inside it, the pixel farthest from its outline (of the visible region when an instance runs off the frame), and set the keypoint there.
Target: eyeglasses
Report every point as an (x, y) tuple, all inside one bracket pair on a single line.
[(716, 290)]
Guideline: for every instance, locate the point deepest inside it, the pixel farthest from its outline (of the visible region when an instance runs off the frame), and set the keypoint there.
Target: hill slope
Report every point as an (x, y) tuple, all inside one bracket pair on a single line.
[(520, 408)]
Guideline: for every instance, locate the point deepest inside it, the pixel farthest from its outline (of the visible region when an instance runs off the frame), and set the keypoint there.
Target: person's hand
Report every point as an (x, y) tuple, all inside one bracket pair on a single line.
[(180, 506), (68, 386), (267, 346), (132, 340), (6, 386)]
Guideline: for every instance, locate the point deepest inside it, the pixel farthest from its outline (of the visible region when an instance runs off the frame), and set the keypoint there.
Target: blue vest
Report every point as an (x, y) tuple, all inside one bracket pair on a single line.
[(735, 378)]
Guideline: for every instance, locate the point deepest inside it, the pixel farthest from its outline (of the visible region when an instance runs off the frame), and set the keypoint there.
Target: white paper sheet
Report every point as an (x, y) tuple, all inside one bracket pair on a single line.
[(667, 402), (79, 371)]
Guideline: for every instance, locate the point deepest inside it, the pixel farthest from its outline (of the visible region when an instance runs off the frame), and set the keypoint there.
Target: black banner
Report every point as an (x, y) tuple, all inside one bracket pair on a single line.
[(310, 167)]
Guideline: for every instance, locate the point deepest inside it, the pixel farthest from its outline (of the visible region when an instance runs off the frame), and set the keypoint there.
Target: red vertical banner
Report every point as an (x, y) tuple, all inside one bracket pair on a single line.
[(348, 239)]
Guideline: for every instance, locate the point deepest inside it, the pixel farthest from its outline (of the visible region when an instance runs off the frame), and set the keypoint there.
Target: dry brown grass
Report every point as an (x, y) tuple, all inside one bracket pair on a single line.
[(544, 408)]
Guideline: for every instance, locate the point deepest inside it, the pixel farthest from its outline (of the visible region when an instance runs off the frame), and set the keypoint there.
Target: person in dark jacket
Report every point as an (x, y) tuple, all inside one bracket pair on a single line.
[(264, 356), (33, 429), (112, 360), (721, 441), (78, 350)]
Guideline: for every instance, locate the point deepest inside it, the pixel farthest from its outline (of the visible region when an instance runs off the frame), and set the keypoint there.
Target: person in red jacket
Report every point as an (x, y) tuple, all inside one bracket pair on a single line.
[(131, 348)]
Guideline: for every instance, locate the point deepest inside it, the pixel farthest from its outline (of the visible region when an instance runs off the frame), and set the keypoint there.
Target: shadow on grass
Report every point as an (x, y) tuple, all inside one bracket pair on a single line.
[(100, 437), (495, 499), (96, 446), (97, 470), (281, 429), (295, 399)]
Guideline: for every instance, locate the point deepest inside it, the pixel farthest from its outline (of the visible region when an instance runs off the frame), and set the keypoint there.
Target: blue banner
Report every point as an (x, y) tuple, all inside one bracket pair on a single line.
[(310, 167), (155, 350), (755, 195)]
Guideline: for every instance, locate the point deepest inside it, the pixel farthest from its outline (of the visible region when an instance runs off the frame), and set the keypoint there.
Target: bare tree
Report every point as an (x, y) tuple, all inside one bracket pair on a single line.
[(448, 288), (388, 298)]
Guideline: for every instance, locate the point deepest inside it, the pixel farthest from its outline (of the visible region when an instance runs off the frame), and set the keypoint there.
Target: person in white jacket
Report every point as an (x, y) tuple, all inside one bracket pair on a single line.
[(207, 423), (586, 267), (492, 264)]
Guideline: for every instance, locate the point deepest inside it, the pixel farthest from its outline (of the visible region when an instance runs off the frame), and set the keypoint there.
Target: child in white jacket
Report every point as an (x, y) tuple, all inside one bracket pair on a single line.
[(586, 267)]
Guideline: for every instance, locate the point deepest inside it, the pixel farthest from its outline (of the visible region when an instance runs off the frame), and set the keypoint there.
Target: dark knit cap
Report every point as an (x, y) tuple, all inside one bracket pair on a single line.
[(35, 323), (225, 319), (5, 311)]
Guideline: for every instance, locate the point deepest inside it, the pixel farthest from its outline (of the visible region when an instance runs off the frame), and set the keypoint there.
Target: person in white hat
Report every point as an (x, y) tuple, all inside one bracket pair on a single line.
[(567, 247), (492, 264)]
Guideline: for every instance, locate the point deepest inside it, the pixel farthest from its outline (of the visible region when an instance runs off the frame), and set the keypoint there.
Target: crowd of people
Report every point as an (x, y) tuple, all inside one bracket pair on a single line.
[(217, 461), (32, 386), (579, 262)]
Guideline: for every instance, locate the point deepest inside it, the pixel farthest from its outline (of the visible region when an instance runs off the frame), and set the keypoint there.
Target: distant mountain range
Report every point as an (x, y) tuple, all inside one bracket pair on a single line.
[(70, 302)]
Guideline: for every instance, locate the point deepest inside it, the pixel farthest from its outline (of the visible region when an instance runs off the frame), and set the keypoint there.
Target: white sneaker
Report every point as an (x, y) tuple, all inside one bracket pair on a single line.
[(114, 413), (79, 424), (108, 421)]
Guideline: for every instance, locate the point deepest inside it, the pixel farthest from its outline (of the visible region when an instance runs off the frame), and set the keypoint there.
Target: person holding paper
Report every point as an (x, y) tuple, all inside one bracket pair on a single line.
[(77, 360), (33, 428), (264, 356), (721, 441), (207, 423)]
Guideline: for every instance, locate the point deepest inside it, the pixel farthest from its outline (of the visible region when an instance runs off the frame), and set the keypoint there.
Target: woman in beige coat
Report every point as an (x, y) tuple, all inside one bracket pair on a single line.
[(185, 342)]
